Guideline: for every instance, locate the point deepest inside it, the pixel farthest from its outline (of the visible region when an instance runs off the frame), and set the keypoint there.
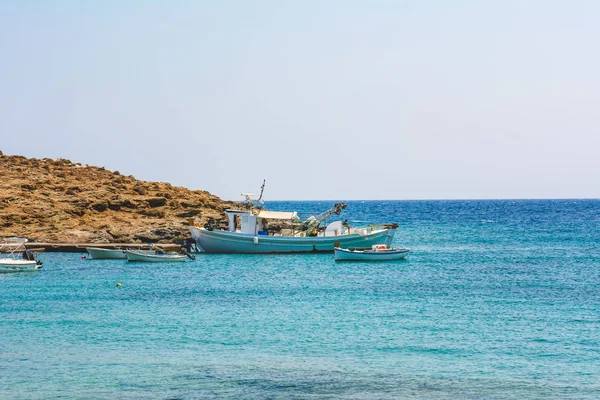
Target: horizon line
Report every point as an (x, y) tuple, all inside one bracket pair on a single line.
[(456, 199)]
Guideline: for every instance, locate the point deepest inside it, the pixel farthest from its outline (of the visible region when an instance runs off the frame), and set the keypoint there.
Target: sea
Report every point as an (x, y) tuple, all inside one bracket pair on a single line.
[(497, 300)]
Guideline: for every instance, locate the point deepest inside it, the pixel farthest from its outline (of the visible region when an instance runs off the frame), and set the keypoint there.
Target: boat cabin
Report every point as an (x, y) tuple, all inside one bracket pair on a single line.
[(256, 223)]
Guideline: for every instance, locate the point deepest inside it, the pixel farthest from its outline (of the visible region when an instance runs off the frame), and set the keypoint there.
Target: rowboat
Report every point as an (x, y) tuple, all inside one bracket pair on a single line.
[(134, 255), (375, 253), (252, 229), (12, 262), (105, 254)]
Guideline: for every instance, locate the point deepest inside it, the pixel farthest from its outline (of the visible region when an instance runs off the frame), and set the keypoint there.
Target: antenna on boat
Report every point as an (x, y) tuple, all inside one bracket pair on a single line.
[(250, 201), (248, 197)]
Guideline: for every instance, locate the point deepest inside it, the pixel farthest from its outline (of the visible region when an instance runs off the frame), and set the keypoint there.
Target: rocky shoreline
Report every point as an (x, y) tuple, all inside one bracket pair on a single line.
[(60, 201)]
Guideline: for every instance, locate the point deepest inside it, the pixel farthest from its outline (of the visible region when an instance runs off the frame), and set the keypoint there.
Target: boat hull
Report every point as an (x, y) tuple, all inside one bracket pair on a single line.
[(7, 266), (370, 255), (105, 254), (144, 257), (234, 242)]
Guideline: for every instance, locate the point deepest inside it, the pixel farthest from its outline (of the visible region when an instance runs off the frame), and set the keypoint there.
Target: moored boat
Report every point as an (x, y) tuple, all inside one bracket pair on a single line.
[(374, 253), (134, 255), (105, 254), (217, 241), (12, 262), (255, 230), (9, 265)]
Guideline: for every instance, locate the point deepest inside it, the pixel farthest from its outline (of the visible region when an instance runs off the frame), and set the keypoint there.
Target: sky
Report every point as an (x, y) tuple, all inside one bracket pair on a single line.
[(344, 100)]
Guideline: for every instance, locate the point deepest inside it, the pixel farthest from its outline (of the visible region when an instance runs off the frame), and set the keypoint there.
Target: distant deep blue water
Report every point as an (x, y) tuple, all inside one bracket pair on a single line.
[(498, 300)]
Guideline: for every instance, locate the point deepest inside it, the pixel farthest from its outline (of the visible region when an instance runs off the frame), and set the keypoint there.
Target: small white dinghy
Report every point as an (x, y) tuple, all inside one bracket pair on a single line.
[(14, 261), (10, 265), (133, 255), (378, 252), (98, 253)]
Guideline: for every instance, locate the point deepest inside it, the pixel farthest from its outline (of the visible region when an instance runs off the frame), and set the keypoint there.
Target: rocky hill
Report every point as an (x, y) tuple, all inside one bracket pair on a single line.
[(56, 200)]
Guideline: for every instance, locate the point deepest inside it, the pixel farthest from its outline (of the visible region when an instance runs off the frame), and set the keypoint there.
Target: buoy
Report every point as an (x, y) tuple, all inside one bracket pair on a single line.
[(255, 239), (119, 284), (83, 257)]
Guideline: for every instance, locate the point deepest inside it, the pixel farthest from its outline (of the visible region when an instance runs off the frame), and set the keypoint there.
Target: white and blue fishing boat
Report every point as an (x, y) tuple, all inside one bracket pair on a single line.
[(250, 230)]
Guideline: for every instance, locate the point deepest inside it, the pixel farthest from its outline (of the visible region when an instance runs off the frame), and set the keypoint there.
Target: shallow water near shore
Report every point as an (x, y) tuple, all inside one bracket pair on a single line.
[(497, 300)]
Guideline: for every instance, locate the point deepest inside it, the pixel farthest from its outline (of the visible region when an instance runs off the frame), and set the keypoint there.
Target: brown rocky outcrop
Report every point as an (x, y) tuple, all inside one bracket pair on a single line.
[(56, 200)]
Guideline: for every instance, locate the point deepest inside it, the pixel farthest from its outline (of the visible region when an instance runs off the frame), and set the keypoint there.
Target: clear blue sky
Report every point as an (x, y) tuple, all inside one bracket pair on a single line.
[(324, 99)]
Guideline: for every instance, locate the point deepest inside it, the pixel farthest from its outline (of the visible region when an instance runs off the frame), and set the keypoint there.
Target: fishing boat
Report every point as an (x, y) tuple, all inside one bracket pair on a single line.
[(105, 254), (374, 253), (253, 229), (15, 261), (141, 256)]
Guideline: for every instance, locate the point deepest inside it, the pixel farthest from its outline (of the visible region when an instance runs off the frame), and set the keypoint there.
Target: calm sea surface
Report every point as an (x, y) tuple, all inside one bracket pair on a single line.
[(497, 300)]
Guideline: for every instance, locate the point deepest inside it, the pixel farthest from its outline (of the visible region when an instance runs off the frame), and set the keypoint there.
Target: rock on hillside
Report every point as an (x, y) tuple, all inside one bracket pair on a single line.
[(64, 202)]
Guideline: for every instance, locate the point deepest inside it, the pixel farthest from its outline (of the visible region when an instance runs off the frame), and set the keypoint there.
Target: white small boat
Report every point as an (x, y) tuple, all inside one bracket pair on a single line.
[(105, 254), (10, 265), (376, 253), (12, 262), (134, 255)]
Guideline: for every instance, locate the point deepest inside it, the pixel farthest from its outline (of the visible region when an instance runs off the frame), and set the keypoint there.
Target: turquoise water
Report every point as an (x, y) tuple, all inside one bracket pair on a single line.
[(498, 300)]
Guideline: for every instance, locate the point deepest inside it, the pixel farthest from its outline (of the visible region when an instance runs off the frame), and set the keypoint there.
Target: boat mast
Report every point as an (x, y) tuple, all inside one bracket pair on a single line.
[(262, 189)]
